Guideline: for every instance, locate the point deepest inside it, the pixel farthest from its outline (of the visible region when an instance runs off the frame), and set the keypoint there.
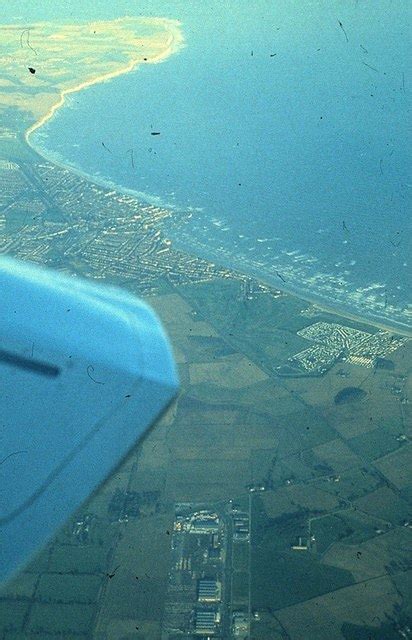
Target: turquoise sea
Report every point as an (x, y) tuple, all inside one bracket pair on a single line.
[(283, 147)]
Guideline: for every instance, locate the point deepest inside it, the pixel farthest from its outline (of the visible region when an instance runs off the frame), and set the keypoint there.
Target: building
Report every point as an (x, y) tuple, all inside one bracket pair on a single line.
[(213, 553), (240, 624), (300, 546), (241, 527), (205, 621), (209, 590), (204, 525)]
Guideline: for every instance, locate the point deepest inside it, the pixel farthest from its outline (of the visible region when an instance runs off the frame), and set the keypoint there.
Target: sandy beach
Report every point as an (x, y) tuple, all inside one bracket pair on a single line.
[(174, 43)]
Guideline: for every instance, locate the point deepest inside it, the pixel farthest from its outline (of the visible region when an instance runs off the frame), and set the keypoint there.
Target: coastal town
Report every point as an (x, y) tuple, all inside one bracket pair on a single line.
[(102, 233), (73, 224)]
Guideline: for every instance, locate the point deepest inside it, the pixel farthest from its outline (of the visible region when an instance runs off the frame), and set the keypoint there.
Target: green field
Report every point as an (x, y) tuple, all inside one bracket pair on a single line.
[(282, 579), (280, 576), (12, 614), (68, 588), (240, 593), (330, 529), (61, 618), (376, 443), (82, 559), (385, 504), (241, 556)]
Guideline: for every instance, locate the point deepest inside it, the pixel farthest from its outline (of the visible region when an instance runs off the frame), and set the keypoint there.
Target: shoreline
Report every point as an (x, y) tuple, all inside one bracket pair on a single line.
[(174, 43), (319, 302), (295, 292)]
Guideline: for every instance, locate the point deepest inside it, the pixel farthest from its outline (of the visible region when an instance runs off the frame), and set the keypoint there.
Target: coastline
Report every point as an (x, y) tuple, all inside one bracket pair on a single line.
[(174, 43), (296, 292), (321, 303)]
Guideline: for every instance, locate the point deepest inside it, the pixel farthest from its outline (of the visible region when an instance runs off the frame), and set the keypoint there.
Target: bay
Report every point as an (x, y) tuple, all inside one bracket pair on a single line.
[(283, 146)]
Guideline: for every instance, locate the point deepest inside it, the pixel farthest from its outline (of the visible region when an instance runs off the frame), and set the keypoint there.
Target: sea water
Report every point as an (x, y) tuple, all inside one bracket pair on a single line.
[(283, 143)]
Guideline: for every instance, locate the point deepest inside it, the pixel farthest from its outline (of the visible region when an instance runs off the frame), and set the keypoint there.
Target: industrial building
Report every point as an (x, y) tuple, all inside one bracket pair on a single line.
[(205, 621), (209, 590), (204, 522), (241, 528)]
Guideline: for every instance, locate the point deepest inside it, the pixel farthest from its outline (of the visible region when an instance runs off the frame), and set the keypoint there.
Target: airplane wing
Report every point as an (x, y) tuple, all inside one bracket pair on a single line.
[(84, 371)]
